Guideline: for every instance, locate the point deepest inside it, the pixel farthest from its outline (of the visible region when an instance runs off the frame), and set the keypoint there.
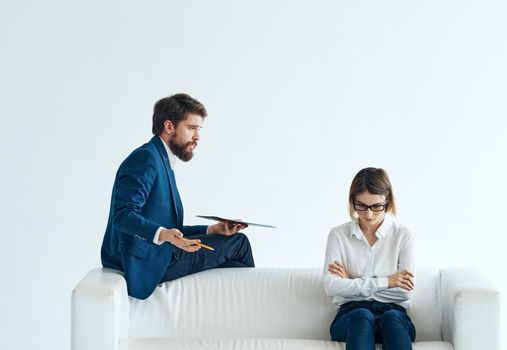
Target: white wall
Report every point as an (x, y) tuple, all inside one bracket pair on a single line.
[(301, 95)]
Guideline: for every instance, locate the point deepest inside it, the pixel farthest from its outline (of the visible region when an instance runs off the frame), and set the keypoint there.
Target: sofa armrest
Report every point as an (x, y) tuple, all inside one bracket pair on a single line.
[(471, 310), (100, 311)]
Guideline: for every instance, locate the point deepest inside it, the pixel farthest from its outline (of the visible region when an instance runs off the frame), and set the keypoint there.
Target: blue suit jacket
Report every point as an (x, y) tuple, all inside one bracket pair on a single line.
[(144, 198)]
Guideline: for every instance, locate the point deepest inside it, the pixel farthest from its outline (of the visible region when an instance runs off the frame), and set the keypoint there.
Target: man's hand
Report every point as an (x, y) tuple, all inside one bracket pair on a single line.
[(403, 279), (175, 237), (223, 228), (337, 269)]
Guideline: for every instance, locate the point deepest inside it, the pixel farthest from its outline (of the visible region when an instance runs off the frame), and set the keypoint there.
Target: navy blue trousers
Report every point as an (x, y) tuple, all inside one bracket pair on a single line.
[(230, 251), (361, 324)]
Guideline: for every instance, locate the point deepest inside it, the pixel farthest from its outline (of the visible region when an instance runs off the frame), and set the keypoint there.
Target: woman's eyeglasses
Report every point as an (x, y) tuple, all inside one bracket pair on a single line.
[(374, 207)]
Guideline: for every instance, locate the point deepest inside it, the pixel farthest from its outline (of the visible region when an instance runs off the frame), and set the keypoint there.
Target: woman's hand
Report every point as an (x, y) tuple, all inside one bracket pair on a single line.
[(402, 279), (337, 269)]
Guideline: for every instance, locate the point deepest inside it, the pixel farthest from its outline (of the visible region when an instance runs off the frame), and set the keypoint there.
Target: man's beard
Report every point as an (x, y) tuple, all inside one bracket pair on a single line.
[(181, 151)]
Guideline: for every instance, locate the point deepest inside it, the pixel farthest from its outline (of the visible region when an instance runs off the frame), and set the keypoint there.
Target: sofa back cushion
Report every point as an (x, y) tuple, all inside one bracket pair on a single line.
[(426, 310), (260, 303)]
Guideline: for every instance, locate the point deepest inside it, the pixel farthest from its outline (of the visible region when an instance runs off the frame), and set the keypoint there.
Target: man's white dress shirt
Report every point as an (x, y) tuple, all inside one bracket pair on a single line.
[(368, 266), (172, 161)]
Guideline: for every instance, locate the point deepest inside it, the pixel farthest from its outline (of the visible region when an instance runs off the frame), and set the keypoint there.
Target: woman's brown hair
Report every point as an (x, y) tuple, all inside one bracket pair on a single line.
[(375, 181)]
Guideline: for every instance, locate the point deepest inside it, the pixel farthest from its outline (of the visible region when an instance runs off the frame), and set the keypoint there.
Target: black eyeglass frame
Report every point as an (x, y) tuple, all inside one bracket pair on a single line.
[(366, 207)]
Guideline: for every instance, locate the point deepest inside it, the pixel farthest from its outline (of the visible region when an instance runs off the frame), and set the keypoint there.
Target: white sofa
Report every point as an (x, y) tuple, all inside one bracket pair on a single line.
[(269, 309)]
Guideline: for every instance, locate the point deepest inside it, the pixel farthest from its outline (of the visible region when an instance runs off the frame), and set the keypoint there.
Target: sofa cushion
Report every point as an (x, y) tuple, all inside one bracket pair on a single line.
[(425, 312), (253, 344), (244, 303), (260, 303)]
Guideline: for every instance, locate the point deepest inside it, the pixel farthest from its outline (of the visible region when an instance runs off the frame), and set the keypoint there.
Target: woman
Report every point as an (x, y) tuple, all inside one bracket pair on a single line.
[(369, 268)]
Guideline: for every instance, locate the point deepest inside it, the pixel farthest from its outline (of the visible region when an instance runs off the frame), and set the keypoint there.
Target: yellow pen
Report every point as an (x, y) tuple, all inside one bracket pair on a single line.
[(200, 244), (205, 246)]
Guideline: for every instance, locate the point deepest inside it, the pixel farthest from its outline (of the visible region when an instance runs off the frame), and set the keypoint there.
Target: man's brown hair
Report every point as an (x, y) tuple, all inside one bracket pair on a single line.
[(175, 108)]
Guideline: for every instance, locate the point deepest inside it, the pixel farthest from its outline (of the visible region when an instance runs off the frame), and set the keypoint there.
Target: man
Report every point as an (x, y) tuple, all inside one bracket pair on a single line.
[(145, 237)]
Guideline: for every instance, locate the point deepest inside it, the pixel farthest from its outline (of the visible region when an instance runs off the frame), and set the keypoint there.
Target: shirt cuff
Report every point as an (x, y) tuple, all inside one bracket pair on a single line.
[(157, 234), (207, 230), (382, 283)]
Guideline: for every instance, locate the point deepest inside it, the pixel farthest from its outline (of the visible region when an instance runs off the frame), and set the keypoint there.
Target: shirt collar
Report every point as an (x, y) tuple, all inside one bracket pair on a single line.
[(382, 231), (170, 154)]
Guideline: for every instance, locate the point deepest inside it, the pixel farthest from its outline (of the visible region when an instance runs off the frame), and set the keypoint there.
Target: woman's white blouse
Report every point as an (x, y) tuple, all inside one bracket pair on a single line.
[(368, 267)]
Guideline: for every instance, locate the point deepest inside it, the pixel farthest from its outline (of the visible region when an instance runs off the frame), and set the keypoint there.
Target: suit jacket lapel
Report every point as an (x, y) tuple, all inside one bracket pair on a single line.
[(170, 175)]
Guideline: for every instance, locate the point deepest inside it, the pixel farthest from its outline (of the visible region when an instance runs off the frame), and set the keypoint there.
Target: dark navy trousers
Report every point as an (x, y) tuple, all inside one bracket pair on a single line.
[(230, 251), (361, 324)]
